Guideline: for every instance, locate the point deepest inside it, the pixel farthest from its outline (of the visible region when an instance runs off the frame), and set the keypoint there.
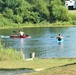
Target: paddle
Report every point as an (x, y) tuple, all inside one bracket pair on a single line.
[(14, 31), (55, 37), (67, 36)]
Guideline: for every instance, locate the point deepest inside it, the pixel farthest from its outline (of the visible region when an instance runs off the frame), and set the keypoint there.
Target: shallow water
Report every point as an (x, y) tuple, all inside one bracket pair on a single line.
[(15, 72)]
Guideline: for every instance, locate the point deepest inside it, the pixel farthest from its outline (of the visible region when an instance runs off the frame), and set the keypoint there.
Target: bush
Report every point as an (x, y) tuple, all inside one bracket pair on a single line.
[(73, 22), (9, 54), (72, 16)]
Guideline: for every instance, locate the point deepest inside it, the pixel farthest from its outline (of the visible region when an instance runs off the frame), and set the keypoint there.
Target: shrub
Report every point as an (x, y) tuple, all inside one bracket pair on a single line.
[(9, 54), (72, 16)]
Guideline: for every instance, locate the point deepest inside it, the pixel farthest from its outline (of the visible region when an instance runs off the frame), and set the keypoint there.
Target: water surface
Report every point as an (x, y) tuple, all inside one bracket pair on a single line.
[(43, 42)]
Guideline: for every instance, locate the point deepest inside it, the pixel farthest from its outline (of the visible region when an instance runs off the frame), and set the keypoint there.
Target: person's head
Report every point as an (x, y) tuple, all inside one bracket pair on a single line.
[(59, 34)]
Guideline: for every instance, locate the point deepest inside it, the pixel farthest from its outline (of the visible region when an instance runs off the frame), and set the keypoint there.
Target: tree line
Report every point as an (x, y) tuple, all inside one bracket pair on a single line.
[(34, 11)]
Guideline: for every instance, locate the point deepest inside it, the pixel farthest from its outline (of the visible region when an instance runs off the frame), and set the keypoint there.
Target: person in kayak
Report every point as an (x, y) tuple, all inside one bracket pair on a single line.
[(21, 33), (59, 37)]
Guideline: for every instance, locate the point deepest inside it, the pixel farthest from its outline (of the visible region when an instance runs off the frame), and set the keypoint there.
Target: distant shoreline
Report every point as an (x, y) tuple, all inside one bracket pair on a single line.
[(35, 26)]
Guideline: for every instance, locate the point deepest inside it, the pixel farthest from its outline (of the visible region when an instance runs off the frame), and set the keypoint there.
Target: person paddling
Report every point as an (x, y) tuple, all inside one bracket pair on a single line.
[(21, 33), (59, 37)]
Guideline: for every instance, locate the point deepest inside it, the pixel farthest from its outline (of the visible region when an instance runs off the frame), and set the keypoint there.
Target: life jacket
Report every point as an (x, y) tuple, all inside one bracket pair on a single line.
[(59, 38)]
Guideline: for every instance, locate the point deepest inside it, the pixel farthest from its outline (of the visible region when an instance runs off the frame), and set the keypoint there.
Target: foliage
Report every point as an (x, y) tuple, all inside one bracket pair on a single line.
[(33, 11), (9, 54), (72, 16), (63, 1), (17, 19), (58, 12)]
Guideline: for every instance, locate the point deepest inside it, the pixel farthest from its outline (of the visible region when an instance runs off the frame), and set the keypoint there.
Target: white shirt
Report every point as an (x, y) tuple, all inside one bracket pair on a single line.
[(21, 33)]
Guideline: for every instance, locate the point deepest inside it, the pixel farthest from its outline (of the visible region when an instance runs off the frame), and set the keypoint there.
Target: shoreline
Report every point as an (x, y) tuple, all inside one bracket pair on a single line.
[(37, 26)]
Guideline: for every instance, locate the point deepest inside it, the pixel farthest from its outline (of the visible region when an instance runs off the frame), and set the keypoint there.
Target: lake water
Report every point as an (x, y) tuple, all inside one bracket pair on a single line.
[(43, 42)]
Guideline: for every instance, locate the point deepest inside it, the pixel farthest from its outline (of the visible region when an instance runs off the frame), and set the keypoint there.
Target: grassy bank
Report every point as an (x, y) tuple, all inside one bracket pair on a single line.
[(36, 63), (9, 54), (4, 23), (11, 59), (30, 25), (52, 66), (46, 65), (69, 69)]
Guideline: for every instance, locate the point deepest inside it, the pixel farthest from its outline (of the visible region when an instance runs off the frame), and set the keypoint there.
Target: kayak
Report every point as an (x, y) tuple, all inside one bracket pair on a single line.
[(16, 36), (59, 41), (5, 36)]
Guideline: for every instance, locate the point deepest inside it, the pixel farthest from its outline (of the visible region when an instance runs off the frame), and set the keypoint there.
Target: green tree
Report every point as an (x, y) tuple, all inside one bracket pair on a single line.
[(40, 6), (63, 1), (60, 13), (12, 3), (8, 12), (17, 19), (35, 11), (57, 11)]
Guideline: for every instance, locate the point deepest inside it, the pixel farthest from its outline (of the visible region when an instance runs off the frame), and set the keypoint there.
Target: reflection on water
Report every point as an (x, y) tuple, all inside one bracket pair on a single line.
[(22, 43), (60, 44), (43, 42)]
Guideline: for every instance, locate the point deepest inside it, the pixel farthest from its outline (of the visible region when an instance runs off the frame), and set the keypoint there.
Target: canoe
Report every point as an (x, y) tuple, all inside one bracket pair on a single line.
[(16, 36)]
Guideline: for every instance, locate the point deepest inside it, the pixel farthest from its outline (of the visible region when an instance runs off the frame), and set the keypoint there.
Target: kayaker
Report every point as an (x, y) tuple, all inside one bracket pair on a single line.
[(59, 37), (21, 33)]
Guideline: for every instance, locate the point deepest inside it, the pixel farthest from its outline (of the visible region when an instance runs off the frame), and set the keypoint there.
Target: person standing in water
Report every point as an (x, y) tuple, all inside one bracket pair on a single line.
[(59, 37)]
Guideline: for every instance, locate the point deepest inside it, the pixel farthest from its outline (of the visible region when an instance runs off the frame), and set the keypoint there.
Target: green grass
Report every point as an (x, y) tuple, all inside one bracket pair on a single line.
[(9, 54), (53, 66), (65, 70), (56, 24), (4, 23), (72, 12), (36, 64)]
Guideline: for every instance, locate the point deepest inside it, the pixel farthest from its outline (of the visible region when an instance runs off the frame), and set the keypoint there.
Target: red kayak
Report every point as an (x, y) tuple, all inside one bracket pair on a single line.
[(18, 36)]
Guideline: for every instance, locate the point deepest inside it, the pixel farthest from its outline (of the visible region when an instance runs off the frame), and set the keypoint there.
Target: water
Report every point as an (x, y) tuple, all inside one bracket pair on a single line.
[(43, 42), (15, 72)]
